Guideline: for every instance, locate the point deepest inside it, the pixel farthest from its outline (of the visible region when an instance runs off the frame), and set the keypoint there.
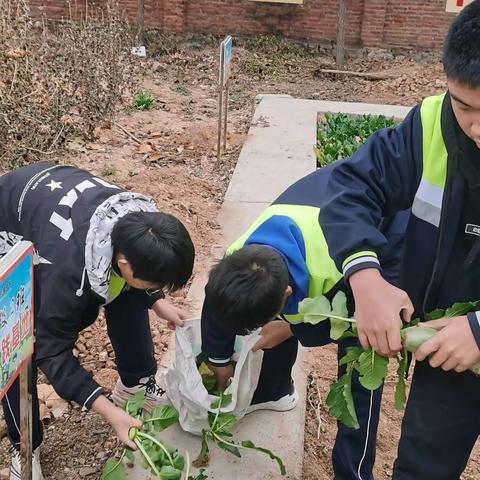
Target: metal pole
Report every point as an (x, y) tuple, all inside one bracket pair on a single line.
[(25, 423), (220, 102), (225, 117)]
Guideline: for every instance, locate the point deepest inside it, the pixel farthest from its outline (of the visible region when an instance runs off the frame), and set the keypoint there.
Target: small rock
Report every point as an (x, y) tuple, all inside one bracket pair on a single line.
[(59, 408), (103, 356), (44, 392), (81, 347), (3, 429), (4, 473), (44, 413), (86, 471)]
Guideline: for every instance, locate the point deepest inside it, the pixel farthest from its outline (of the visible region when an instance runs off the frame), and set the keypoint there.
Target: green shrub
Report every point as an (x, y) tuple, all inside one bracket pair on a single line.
[(143, 101)]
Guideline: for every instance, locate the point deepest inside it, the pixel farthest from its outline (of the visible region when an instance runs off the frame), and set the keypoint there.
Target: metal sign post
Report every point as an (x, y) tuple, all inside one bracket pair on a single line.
[(223, 82)]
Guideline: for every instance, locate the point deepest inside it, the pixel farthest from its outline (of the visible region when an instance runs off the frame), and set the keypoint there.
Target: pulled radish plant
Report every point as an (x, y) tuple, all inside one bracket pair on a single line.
[(164, 461), (219, 431), (372, 368)]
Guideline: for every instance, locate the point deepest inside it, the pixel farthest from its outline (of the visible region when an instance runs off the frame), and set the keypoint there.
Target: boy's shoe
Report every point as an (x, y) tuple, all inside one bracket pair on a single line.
[(15, 468), (154, 392), (284, 404)]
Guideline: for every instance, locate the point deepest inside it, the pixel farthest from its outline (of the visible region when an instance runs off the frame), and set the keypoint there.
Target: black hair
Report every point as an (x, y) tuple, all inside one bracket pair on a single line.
[(245, 290), (157, 246), (461, 53)]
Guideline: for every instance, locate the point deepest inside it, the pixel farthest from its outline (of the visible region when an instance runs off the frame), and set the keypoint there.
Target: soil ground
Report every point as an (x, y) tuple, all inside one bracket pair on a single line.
[(169, 153)]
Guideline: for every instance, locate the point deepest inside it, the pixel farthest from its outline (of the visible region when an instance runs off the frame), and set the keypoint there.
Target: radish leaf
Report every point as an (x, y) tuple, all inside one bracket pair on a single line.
[(250, 444), (340, 401), (373, 369), (400, 394)]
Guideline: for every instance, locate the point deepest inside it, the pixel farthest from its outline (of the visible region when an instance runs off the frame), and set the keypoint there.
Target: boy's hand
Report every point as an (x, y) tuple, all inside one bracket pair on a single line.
[(273, 334), (172, 315), (120, 420), (378, 310), (222, 374), (453, 348)]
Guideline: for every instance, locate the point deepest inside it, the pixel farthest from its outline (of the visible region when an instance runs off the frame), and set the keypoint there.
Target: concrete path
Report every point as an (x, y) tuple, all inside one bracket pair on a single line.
[(278, 151)]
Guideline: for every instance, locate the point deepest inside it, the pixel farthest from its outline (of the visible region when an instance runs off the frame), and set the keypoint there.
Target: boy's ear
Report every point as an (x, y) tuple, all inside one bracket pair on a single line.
[(288, 292), (121, 259)]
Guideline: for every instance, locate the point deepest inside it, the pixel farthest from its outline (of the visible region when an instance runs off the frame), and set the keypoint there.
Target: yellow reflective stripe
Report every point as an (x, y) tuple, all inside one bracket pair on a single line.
[(294, 319), (365, 253), (434, 150), (322, 272), (115, 287)]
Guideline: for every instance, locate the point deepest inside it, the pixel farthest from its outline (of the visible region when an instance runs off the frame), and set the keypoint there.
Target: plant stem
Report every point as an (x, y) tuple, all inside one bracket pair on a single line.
[(220, 439), (118, 463), (218, 411), (335, 317), (156, 442), (138, 443), (187, 462)]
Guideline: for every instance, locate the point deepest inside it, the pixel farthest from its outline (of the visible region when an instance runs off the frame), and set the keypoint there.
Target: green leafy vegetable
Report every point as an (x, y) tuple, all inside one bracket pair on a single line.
[(340, 400), (162, 417), (318, 309), (340, 135), (161, 459), (250, 444), (114, 470), (373, 369), (220, 431), (400, 387), (222, 401)]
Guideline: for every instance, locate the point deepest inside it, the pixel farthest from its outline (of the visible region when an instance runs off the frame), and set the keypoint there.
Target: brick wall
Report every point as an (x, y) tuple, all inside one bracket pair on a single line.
[(371, 23)]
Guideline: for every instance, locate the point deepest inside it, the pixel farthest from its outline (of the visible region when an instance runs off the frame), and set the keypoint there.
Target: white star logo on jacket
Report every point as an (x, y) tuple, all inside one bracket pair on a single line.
[(53, 185)]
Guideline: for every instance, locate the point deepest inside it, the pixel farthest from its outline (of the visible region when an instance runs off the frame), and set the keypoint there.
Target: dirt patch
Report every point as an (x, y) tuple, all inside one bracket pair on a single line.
[(318, 449)]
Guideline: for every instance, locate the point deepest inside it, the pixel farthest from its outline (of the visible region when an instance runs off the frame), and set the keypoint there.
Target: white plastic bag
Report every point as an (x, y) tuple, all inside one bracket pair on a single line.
[(184, 383)]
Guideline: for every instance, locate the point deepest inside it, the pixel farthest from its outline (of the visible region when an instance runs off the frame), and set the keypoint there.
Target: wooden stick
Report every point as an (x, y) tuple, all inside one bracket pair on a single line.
[(25, 424), (131, 135), (370, 75), (342, 13)]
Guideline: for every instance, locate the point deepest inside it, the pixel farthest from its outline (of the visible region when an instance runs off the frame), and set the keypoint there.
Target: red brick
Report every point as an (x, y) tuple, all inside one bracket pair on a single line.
[(373, 23)]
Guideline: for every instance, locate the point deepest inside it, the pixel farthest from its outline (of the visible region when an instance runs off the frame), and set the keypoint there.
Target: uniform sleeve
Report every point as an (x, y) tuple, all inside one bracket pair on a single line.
[(54, 356), (474, 321), (59, 317), (217, 344), (380, 180)]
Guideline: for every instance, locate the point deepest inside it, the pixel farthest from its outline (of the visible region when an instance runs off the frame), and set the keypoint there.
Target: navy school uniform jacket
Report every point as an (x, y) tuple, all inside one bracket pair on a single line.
[(291, 227)]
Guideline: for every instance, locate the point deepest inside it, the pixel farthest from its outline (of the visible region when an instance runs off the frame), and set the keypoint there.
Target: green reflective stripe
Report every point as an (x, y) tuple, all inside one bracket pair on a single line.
[(115, 287), (427, 204), (365, 253), (434, 149)]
